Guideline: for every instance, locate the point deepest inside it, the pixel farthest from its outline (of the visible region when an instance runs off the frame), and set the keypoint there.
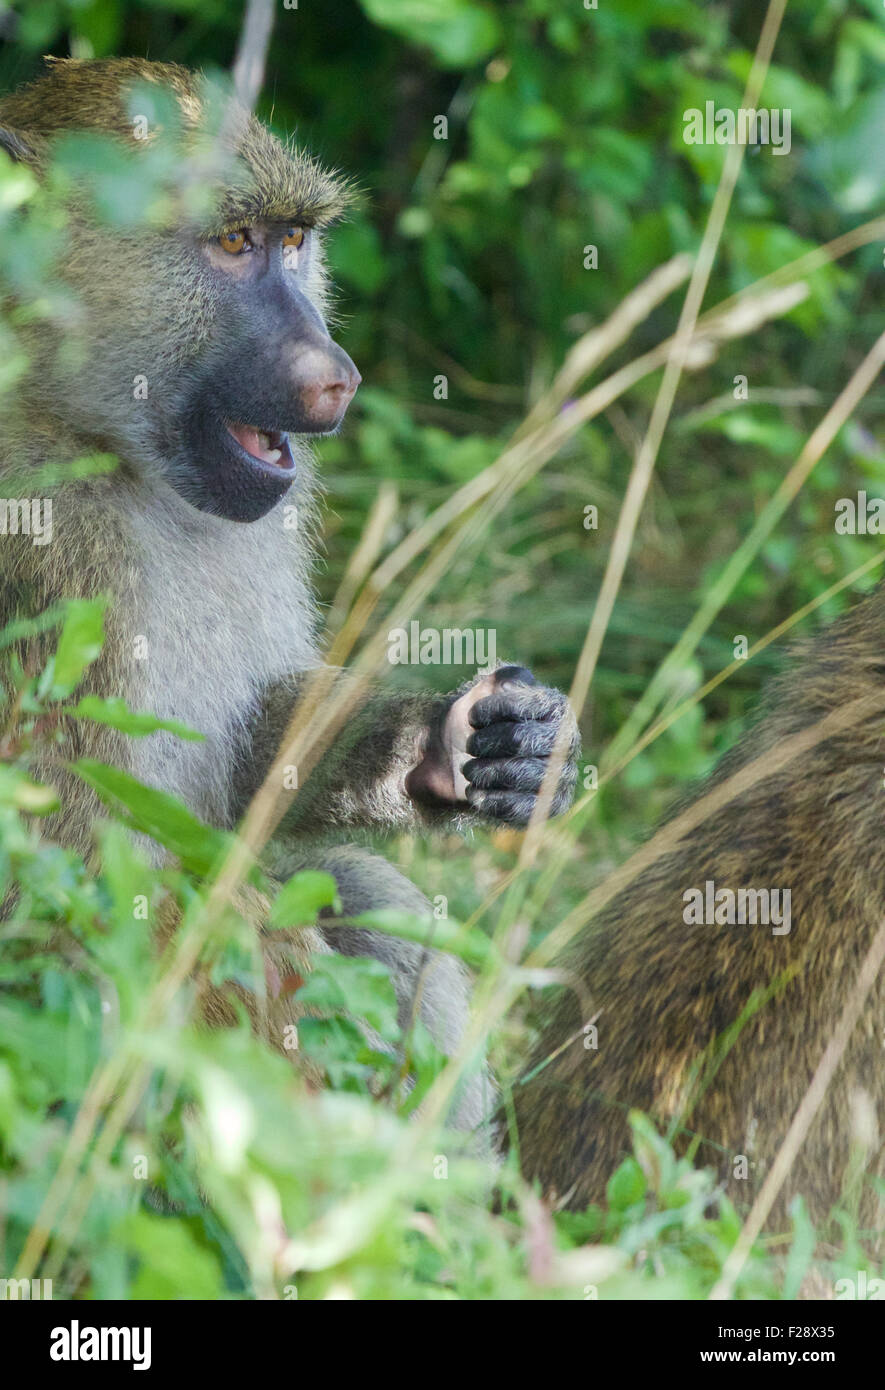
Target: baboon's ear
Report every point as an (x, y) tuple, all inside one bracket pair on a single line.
[(16, 146)]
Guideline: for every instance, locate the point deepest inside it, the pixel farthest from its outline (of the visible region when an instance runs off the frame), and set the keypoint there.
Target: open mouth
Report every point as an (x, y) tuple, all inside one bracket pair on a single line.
[(270, 447)]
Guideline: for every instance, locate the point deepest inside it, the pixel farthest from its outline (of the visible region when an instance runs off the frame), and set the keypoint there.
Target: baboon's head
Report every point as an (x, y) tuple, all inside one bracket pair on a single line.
[(195, 345)]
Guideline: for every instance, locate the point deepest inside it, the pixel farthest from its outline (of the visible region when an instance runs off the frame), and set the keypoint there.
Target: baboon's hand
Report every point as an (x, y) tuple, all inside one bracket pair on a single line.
[(494, 748)]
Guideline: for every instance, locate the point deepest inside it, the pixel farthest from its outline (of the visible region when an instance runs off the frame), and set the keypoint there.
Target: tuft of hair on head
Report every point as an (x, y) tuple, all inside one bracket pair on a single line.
[(267, 179), (79, 94)]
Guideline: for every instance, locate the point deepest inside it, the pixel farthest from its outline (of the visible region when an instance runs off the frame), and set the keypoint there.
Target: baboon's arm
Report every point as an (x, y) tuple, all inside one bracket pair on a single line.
[(417, 759)]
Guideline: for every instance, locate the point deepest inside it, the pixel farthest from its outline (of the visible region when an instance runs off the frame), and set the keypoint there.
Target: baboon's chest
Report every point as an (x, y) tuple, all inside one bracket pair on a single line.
[(222, 610)]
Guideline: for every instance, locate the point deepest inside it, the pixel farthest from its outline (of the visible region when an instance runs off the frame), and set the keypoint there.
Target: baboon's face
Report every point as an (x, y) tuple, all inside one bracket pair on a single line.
[(225, 335), (270, 370), (196, 349)]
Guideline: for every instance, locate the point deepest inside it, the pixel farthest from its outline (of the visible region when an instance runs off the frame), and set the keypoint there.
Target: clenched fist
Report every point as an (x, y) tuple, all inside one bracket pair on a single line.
[(491, 746)]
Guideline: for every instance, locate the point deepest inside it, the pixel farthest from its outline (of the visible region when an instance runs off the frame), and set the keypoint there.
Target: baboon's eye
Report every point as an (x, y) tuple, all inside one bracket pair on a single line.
[(235, 242), (294, 237)]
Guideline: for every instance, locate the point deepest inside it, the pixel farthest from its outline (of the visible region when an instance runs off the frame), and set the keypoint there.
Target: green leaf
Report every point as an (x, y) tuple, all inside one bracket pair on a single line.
[(301, 897), (19, 791), (447, 935), (125, 189), (356, 987), (172, 1263), (99, 22), (356, 257), (850, 159), (458, 32), (52, 473), (23, 628), (424, 1062), (117, 715), (626, 1187), (653, 1154), (339, 1047), (126, 954), (199, 847), (802, 1248), (81, 641)]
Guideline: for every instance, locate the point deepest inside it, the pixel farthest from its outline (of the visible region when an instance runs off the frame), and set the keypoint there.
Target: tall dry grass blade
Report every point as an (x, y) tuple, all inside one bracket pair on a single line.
[(594, 347), (640, 474)]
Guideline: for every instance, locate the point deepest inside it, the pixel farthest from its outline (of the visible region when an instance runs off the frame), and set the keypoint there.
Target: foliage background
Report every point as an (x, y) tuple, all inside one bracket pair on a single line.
[(465, 257)]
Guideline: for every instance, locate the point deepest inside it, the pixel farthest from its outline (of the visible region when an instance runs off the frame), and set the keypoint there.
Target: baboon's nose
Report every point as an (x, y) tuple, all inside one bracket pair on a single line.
[(326, 383)]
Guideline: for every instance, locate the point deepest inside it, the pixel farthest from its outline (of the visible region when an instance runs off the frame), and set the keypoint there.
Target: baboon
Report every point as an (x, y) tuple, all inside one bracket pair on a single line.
[(664, 984), (213, 620)]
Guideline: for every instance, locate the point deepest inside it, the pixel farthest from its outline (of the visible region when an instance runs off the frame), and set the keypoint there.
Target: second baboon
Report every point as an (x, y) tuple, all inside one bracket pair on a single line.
[(737, 949)]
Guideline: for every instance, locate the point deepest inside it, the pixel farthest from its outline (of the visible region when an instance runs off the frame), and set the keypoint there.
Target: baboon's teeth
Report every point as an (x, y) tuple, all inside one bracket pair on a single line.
[(268, 446)]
